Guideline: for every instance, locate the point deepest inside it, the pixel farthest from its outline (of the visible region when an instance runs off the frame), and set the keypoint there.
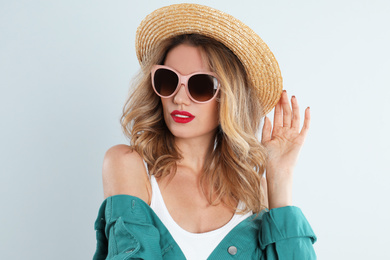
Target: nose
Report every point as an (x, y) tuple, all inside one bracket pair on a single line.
[(181, 96)]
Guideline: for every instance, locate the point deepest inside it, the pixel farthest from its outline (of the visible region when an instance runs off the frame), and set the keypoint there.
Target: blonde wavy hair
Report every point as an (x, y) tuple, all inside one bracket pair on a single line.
[(236, 162)]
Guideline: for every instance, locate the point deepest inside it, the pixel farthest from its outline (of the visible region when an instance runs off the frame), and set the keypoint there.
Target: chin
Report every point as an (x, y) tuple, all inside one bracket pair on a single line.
[(180, 133)]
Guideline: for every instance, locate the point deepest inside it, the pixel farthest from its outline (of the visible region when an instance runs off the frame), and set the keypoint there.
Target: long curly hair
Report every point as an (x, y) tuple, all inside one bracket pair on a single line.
[(236, 162)]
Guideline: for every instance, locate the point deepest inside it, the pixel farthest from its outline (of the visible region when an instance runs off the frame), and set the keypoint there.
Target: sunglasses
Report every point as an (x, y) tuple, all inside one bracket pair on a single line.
[(201, 87)]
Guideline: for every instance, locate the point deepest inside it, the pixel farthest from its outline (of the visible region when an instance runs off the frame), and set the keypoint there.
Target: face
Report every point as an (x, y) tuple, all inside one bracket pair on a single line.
[(186, 60)]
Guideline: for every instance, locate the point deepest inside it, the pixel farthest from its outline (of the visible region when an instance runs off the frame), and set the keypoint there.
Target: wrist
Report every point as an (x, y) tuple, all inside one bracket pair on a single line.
[(279, 191)]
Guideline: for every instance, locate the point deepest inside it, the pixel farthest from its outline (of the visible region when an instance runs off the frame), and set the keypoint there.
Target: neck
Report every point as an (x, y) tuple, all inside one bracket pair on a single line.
[(194, 152)]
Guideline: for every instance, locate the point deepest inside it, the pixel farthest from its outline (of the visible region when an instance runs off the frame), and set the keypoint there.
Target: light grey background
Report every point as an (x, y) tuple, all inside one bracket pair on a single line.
[(65, 70)]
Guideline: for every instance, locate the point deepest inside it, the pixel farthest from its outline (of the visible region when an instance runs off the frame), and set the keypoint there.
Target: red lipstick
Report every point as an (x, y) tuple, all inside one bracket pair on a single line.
[(182, 117)]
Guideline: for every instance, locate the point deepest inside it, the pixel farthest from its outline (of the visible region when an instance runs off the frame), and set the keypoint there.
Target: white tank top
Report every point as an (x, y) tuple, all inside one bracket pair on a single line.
[(195, 246)]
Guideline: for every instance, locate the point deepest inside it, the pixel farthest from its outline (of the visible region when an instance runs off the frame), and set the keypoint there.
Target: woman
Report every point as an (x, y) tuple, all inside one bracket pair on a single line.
[(191, 185)]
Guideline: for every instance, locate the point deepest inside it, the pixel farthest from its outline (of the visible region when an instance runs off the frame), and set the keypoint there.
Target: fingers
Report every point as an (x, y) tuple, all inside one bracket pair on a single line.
[(306, 123), (283, 113), (296, 116), (278, 116), (286, 116), (266, 133), (286, 110)]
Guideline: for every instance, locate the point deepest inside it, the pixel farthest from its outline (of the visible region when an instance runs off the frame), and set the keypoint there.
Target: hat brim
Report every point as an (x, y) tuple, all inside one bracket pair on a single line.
[(259, 62)]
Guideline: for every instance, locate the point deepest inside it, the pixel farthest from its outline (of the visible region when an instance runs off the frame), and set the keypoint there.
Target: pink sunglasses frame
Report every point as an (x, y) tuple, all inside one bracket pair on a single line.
[(183, 80)]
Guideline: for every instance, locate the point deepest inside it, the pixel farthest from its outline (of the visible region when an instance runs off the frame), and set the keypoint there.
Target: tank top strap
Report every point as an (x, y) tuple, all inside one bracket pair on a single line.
[(156, 202), (146, 167)]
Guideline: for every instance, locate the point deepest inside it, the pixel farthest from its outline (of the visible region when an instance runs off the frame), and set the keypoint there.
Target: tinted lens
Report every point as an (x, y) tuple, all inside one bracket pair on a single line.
[(165, 82), (202, 87)]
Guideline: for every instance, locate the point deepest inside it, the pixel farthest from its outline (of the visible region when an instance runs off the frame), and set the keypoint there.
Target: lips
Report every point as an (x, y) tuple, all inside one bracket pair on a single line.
[(182, 117)]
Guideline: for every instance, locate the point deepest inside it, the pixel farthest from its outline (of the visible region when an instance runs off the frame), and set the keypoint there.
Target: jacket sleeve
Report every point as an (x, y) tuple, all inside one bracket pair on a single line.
[(126, 228), (286, 234)]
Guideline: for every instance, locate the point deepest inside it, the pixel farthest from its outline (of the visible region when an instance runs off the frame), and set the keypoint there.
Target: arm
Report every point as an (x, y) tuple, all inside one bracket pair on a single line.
[(127, 228), (117, 226), (285, 232), (283, 145), (124, 173)]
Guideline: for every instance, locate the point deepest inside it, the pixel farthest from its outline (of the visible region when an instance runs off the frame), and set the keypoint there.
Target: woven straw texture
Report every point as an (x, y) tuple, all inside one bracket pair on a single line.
[(259, 62)]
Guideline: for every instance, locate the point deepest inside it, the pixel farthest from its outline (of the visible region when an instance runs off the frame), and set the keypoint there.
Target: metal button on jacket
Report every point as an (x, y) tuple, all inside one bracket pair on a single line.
[(232, 250)]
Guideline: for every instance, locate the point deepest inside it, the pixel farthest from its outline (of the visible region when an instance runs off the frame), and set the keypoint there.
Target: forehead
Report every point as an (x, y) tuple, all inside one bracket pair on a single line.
[(186, 59)]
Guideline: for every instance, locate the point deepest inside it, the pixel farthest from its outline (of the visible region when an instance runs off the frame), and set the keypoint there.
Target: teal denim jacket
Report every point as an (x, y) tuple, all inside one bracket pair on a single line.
[(127, 228)]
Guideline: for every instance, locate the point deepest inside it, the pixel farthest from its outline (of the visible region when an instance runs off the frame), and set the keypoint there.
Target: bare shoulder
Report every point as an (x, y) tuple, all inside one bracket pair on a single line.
[(124, 173)]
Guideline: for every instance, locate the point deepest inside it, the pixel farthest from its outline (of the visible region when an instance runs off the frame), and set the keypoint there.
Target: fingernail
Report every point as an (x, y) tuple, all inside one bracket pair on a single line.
[(284, 91), (293, 97)]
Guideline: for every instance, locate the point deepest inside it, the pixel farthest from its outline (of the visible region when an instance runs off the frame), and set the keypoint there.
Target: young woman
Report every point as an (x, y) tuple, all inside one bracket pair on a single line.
[(191, 184)]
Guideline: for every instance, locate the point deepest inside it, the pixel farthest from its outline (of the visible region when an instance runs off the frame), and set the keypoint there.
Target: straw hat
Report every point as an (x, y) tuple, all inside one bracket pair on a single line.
[(259, 62)]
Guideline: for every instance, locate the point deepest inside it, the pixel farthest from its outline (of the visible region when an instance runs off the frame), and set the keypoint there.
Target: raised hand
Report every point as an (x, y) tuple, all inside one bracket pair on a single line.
[(283, 142)]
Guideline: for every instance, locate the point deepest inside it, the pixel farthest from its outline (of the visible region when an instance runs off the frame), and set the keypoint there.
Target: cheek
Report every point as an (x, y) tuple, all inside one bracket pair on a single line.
[(164, 108), (214, 113)]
